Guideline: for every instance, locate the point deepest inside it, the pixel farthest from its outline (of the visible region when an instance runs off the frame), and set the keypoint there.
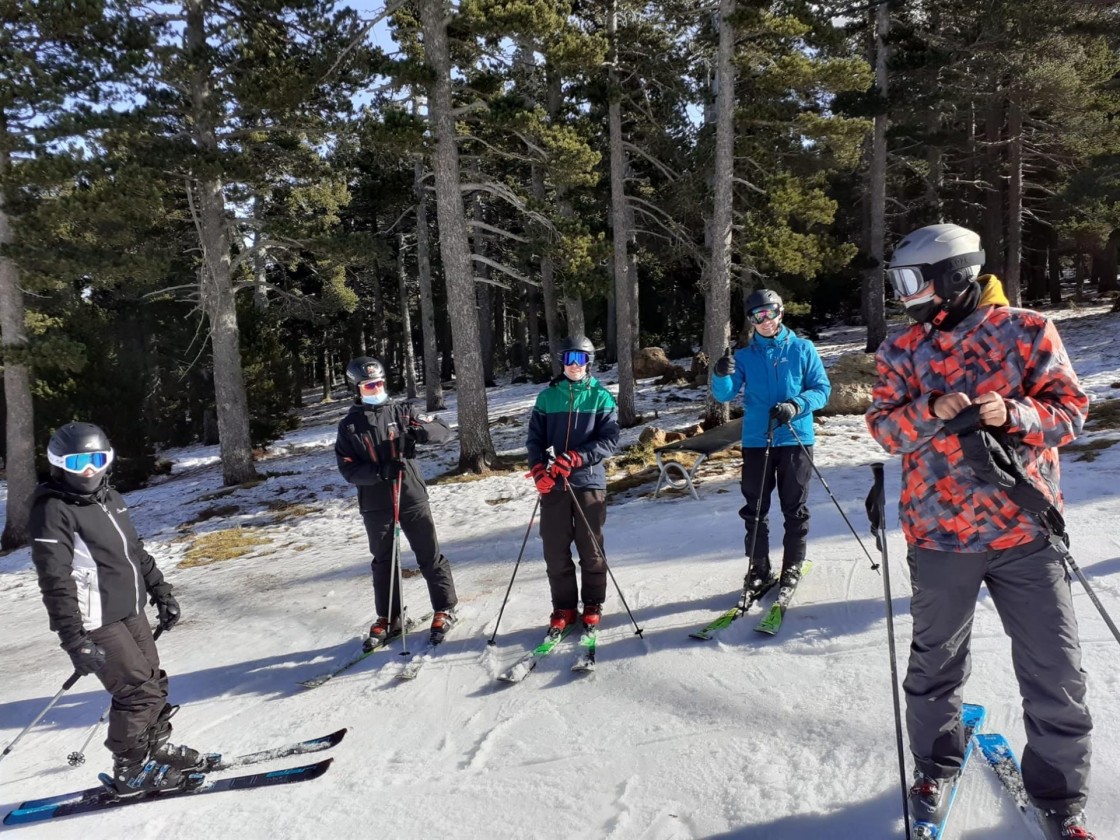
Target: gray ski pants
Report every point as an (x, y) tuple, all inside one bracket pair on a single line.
[(1030, 590)]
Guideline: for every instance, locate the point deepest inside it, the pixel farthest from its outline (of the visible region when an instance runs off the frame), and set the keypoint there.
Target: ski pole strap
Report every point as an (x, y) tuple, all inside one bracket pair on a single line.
[(873, 504)]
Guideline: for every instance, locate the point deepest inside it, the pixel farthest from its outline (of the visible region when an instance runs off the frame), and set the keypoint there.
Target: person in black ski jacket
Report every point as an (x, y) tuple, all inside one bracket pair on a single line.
[(95, 575), (573, 427), (375, 450)]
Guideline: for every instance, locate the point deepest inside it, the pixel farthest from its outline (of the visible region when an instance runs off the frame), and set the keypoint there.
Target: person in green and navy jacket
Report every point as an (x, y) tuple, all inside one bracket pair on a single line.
[(783, 383), (573, 427)]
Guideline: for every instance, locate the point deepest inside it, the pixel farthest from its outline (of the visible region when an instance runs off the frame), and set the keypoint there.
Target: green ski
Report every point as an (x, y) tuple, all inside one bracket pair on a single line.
[(725, 620), (772, 621)]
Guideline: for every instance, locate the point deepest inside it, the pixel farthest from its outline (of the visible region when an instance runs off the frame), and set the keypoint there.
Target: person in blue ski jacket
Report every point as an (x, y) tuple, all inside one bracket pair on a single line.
[(783, 382)]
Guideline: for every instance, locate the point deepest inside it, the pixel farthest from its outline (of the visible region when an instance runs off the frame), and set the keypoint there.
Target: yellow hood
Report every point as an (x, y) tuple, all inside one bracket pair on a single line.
[(991, 291)]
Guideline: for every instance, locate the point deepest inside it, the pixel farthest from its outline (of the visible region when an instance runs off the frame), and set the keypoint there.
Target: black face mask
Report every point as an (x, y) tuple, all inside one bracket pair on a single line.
[(946, 316)]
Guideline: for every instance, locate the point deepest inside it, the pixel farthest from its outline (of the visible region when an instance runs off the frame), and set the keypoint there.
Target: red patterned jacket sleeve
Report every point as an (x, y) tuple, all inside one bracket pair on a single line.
[(900, 418), (1053, 408)]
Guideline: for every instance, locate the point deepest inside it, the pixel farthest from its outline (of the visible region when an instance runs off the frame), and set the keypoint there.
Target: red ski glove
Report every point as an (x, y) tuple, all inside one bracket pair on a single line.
[(542, 479), (566, 462)]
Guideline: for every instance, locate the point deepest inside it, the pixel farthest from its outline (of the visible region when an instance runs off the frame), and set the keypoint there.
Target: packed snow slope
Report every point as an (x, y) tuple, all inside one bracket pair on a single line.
[(784, 738)]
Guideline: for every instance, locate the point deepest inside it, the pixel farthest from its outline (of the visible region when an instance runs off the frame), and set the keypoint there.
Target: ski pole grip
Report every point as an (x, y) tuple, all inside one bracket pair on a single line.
[(877, 471), (69, 684)]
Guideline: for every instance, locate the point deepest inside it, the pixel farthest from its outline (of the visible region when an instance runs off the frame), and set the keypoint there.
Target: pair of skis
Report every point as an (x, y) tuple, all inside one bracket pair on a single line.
[(1000, 757), (770, 624), (368, 649), (588, 644), (105, 797)]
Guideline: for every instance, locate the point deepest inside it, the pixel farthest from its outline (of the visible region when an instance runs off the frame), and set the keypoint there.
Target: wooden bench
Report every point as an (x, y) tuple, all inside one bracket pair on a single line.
[(674, 474)]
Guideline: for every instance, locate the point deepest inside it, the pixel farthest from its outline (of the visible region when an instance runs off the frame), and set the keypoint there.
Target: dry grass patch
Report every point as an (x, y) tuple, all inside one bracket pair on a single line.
[(1105, 414), (219, 546), (290, 510), (1089, 450)]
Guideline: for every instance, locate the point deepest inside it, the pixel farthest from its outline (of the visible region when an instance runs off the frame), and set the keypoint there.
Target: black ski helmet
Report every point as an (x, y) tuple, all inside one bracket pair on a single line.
[(763, 297), (80, 456), (363, 369), (576, 342)]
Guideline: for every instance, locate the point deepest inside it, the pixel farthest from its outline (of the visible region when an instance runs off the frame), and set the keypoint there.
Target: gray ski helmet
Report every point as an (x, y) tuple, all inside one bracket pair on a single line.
[(763, 297), (949, 256), (80, 456), (576, 342), (362, 369)]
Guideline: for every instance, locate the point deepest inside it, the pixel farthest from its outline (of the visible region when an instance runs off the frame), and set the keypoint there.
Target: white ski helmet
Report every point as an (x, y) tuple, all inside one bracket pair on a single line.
[(949, 256)]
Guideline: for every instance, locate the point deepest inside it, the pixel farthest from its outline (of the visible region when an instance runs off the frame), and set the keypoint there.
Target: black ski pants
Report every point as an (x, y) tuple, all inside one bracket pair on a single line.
[(788, 468), (131, 674), (561, 523), (1030, 590), (417, 525)]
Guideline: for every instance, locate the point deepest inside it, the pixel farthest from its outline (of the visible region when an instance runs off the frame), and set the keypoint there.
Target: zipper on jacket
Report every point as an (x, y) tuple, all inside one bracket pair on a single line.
[(124, 541)]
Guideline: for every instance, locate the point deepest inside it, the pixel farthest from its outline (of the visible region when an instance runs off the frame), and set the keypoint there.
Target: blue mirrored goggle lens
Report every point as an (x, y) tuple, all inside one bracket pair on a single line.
[(81, 460), (575, 357), (766, 313)]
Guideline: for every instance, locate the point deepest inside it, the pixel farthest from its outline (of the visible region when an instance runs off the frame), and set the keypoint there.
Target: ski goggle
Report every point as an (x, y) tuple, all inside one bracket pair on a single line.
[(575, 357), (371, 385), (764, 314), (79, 462), (907, 280)]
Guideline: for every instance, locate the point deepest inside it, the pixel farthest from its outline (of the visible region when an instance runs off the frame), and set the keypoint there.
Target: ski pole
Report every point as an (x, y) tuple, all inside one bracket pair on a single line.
[(66, 686), (78, 757), (844, 516), (603, 554), (1071, 564), (745, 598), (395, 569), (520, 554), (876, 506)]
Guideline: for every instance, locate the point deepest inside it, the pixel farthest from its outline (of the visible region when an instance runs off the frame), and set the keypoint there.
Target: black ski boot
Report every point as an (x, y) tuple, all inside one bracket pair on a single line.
[(929, 798), (162, 751), (135, 773), (791, 576), (758, 578), (1063, 825)]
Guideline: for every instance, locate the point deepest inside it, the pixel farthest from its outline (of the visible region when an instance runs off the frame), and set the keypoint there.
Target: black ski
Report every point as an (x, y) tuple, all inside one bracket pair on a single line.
[(215, 764), (422, 657), (196, 783)]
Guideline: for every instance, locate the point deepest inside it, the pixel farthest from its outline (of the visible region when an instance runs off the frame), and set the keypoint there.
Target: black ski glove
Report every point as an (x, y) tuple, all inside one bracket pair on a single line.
[(390, 470), (783, 412), (168, 608), (725, 364), (86, 654)]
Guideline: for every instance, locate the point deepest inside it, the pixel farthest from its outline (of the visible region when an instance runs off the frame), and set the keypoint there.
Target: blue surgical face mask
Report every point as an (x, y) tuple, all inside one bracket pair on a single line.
[(375, 399)]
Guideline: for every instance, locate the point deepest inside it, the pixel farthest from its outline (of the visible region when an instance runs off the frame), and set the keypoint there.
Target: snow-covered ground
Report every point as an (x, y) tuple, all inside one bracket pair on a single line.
[(783, 738)]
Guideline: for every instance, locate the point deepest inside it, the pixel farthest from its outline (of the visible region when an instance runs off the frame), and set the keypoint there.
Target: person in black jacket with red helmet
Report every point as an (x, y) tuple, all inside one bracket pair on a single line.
[(95, 575), (375, 450)]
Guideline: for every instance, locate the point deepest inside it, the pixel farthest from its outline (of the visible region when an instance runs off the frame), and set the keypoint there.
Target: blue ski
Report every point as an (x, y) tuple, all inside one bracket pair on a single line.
[(972, 716), (1003, 761), (197, 783)]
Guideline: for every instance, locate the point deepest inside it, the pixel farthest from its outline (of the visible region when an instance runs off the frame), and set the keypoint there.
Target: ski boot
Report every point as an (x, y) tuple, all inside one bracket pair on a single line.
[(162, 751), (380, 631), (592, 614), (929, 798), (791, 575), (561, 619), (1062, 825), (442, 622), (134, 773)]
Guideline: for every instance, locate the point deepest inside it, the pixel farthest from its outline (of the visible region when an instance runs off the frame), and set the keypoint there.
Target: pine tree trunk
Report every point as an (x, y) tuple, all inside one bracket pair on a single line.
[(548, 282), (872, 291), (1013, 287), (476, 449), (19, 454), (409, 354), (216, 282), (619, 217), (717, 308), (433, 385), (993, 197)]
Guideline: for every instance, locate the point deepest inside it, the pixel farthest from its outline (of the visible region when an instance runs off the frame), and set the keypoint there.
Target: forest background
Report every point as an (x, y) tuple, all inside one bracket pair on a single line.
[(207, 206)]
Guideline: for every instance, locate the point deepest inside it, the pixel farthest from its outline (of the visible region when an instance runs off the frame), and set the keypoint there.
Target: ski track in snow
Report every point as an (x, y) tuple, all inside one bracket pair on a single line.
[(744, 737)]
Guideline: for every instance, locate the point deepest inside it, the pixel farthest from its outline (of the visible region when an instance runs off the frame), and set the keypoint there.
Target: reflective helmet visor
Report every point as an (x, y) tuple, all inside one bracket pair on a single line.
[(764, 314)]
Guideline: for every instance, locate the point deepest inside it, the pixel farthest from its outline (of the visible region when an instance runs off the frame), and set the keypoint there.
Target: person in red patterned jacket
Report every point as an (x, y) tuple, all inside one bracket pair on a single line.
[(971, 356)]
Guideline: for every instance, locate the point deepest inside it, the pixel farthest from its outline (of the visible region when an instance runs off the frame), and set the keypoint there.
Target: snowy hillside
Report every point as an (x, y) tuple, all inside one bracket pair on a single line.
[(785, 738)]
